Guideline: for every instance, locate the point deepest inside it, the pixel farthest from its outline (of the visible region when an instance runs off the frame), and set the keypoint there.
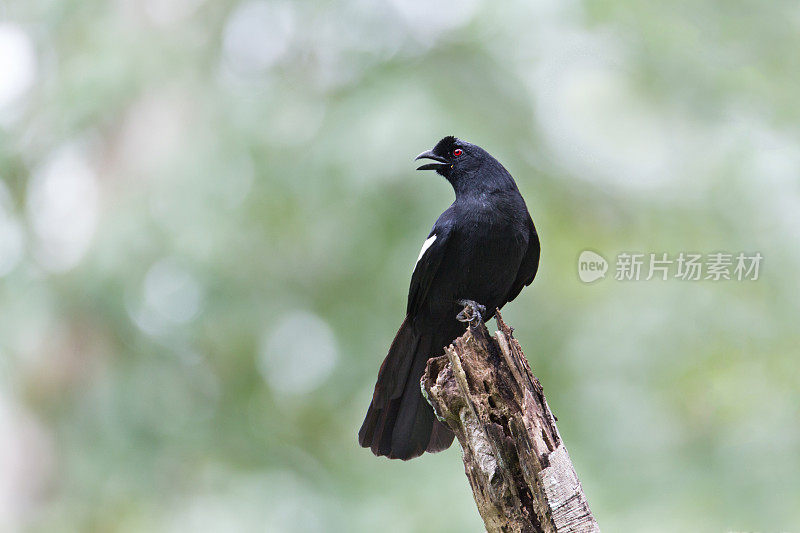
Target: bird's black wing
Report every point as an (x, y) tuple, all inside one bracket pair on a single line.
[(427, 266), (399, 423), (529, 265)]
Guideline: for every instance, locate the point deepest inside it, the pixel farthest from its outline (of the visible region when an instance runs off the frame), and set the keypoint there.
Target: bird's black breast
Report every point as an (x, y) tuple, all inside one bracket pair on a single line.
[(488, 239)]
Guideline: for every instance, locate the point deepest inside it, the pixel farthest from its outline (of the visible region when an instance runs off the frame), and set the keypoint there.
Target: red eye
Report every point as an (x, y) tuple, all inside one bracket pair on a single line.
[(457, 152)]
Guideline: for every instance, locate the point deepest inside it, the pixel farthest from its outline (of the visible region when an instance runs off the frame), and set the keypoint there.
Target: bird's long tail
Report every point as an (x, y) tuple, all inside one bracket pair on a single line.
[(399, 423)]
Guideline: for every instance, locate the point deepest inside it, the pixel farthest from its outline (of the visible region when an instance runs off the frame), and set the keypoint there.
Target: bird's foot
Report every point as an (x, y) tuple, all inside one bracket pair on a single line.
[(473, 312)]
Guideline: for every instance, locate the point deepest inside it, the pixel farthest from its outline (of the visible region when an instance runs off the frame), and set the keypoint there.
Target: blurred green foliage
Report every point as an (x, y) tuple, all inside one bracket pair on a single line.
[(209, 217)]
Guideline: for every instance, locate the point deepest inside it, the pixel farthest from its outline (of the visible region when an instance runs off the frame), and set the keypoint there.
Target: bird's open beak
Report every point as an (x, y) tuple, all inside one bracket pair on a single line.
[(442, 162)]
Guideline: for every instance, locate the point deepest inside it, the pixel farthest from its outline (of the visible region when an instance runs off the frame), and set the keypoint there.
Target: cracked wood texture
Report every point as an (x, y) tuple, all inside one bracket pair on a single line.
[(520, 472)]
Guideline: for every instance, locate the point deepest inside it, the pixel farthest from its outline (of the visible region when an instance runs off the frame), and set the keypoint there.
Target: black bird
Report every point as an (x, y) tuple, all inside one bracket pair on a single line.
[(483, 248)]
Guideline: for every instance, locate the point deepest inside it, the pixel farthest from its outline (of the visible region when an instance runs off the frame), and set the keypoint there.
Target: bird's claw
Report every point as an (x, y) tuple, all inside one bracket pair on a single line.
[(472, 313)]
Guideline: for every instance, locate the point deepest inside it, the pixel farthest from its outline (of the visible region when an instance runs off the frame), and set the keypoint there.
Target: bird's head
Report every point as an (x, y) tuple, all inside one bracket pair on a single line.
[(453, 157)]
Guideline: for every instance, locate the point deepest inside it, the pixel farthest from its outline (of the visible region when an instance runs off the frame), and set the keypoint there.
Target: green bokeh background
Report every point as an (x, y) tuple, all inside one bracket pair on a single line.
[(209, 217)]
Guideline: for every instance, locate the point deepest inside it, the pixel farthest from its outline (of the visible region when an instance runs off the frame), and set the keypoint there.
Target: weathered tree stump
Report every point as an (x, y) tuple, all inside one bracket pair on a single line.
[(520, 472)]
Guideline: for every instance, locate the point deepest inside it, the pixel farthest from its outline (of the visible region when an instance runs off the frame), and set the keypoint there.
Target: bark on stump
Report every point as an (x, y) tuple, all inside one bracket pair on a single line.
[(520, 472)]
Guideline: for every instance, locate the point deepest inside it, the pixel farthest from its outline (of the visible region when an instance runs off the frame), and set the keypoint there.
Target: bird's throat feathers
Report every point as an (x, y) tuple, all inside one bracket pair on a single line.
[(487, 177)]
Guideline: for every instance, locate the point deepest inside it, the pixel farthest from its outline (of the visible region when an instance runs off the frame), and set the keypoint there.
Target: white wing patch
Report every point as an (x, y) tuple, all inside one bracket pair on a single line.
[(425, 247)]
